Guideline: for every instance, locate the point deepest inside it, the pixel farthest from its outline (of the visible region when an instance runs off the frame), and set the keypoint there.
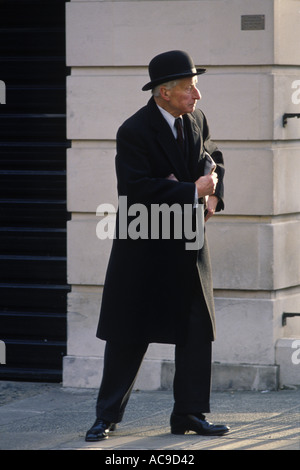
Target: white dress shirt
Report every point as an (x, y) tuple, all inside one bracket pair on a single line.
[(171, 121)]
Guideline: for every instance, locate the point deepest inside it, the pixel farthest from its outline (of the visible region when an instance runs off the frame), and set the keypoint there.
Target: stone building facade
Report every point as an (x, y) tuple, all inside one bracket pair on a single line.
[(251, 52)]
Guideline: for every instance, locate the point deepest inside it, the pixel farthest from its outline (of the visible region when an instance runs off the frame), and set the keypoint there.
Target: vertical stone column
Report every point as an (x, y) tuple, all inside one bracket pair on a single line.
[(251, 53), (257, 263)]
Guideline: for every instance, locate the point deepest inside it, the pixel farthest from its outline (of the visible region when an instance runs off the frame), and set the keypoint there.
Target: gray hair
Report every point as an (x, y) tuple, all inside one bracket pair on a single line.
[(168, 85)]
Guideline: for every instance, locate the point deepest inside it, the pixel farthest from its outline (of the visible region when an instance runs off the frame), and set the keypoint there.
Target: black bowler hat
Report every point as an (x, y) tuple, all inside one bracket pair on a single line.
[(169, 66)]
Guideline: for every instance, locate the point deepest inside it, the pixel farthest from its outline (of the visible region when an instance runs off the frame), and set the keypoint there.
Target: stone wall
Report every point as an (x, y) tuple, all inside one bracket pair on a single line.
[(252, 80)]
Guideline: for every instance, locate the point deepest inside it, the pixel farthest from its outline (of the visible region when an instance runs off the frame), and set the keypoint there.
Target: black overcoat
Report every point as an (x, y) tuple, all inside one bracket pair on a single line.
[(149, 281)]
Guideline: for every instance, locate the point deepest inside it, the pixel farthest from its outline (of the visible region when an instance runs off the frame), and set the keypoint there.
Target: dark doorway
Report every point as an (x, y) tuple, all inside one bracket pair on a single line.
[(33, 214)]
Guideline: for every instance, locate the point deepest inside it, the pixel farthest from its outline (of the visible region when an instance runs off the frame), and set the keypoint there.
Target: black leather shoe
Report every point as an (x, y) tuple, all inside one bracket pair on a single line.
[(183, 423), (99, 430)]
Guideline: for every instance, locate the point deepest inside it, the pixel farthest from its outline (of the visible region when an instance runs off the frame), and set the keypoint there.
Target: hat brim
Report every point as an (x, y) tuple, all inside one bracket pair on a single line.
[(169, 78)]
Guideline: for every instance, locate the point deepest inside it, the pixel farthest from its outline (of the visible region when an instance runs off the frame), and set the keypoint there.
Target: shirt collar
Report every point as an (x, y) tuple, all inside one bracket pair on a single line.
[(170, 119)]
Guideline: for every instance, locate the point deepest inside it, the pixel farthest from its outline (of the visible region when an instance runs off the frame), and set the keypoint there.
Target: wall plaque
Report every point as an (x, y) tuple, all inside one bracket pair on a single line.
[(252, 22)]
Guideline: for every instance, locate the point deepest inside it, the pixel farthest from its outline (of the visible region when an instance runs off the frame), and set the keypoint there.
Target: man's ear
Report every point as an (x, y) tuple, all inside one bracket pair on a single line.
[(164, 93)]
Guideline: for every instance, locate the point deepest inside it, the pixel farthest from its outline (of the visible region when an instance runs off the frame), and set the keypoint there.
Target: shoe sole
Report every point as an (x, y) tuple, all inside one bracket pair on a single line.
[(183, 431), (95, 439)]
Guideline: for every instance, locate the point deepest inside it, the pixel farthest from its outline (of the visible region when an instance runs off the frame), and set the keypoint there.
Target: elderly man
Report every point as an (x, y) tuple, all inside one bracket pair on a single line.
[(157, 288)]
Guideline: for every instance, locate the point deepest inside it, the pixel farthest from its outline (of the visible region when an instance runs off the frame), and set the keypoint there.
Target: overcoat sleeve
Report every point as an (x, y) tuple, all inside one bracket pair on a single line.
[(211, 147)]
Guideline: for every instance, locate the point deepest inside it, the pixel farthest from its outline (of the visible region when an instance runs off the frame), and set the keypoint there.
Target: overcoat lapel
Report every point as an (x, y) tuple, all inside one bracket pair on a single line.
[(168, 143), (193, 134)]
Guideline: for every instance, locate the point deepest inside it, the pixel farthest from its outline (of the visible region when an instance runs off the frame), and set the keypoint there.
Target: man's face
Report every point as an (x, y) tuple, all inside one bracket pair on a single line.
[(183, 97)]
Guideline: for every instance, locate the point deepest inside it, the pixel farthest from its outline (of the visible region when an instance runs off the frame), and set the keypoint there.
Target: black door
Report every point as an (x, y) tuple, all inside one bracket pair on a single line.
[(33, 215)]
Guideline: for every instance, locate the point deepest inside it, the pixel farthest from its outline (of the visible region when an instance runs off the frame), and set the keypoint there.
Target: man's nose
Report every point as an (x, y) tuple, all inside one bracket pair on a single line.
[(197, 94)]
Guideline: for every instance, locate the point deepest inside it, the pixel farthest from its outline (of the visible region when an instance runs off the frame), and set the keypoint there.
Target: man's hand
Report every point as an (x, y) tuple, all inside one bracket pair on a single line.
[(211, 205), (206, 185), (172, 177)]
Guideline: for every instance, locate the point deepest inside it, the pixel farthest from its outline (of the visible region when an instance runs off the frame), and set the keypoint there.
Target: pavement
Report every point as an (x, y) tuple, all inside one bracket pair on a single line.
[(48, 416)]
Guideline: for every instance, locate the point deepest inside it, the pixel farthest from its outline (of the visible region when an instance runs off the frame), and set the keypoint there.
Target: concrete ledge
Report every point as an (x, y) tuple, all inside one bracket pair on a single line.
[(245, 377), (82, 372), (86, 372), (232, 376)]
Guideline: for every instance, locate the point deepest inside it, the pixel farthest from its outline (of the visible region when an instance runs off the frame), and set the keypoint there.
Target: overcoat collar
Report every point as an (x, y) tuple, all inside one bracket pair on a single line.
[(183, 170)]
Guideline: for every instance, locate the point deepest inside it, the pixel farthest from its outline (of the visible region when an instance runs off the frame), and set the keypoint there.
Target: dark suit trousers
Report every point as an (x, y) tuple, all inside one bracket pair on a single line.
[(192, 378)]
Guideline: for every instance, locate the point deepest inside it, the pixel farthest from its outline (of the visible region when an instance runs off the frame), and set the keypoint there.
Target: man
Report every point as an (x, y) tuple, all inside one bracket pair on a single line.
[(157, 289)]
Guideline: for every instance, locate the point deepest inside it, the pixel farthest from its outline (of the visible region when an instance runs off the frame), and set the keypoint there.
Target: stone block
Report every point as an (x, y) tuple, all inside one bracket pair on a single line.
[(84, 304), (231, 376), (249, 179), (107, 33), (244, 377), (238, 103), (224, 95), (86, 372), (245, 330), (91, 115), (91, 179), (286, 101), (258, 180), (286, 32), (83, 315), (287, 253), (232, 103), (87, 255), (149, 376), (254, 255), (286, 193), (164, 352), (82, 372), (287, 301), (243, 249)]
